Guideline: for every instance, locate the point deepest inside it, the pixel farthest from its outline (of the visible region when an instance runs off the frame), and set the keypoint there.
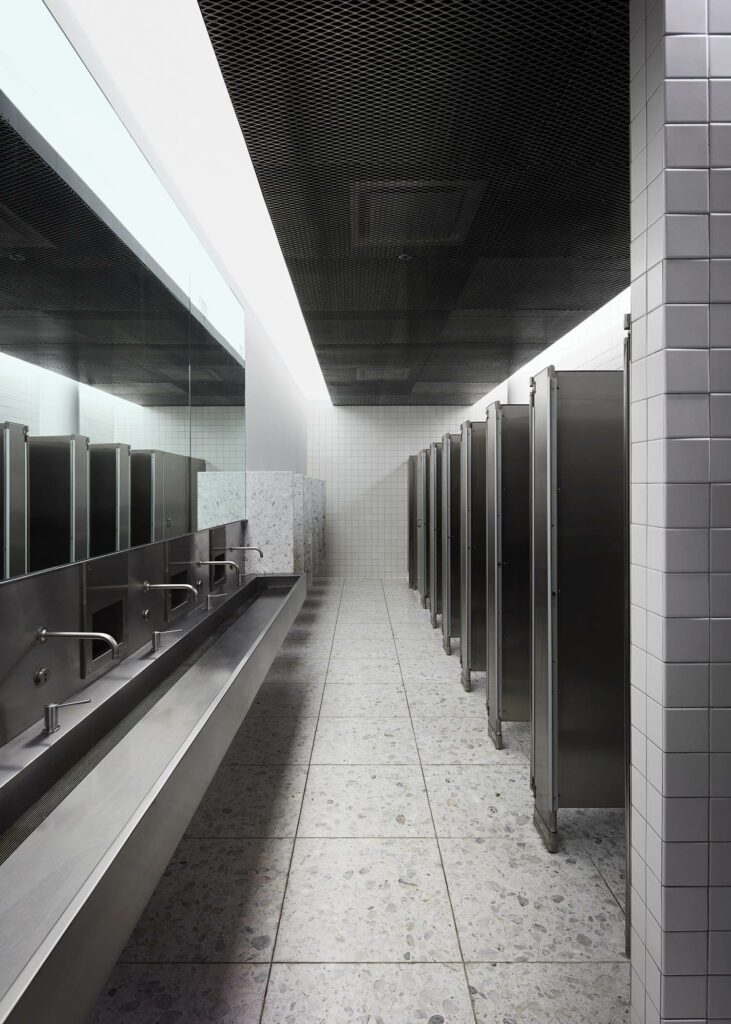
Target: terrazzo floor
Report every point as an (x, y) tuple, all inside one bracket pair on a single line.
[(365, 856)]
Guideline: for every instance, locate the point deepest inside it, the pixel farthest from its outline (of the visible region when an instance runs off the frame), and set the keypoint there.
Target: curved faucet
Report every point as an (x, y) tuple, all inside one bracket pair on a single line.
[(171, 586), (221, 561), (261, 553), (43, 634)]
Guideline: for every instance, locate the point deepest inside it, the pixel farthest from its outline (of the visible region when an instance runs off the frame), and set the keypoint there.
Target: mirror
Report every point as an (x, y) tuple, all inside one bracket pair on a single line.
[(122, 414)]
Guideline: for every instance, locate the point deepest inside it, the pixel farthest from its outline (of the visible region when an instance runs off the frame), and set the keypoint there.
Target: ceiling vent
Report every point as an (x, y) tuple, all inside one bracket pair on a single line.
[(414, 213), (381, 374)]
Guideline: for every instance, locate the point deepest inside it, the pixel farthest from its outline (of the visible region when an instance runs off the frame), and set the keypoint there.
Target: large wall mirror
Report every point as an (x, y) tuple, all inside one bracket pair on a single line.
[(122, 413)]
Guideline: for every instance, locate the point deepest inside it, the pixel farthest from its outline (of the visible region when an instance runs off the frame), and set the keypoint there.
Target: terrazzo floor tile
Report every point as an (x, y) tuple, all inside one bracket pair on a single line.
[(182, 994), (418, 631), (367, 994), (427, 651), (364, 741), (288, 698), (365, 800), (363, 631), (373, 649), (458, 741), (298, 648), (516, 740), (550, 993), (377, 699), (515, 901), (366, 900), (445, 699), (269, 740), (360, 671), (359, 614), (469, 801), (218, 901), (307, 669), (608, 855), (246, 800), (415, 670)]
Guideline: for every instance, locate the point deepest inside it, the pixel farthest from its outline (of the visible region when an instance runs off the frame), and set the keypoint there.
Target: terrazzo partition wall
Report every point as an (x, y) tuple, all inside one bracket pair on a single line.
[(680, 95), (221, 498), (281, 512)]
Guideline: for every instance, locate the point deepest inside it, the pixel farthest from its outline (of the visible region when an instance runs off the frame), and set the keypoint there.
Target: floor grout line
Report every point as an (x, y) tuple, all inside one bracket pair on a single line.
[(299, 817), (439, 849)]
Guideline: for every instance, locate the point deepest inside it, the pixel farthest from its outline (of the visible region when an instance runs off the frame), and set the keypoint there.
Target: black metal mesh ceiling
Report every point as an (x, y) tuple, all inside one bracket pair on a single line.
[(448, 179)]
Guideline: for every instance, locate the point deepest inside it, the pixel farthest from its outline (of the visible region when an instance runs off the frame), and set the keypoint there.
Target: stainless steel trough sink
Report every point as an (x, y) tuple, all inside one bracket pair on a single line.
[(72, 889)]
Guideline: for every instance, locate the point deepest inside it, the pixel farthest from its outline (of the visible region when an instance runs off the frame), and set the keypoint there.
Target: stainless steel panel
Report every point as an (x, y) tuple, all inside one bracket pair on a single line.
[(147, 494), (106, 589), (411, 515), (473, 567), (422, 526), (435, 531), (109, 498), (176, 495), (579, 596), (182, 555), (119, 827), (508, 567), (58, 500), (196, 466), (451, 539), (13, 500)]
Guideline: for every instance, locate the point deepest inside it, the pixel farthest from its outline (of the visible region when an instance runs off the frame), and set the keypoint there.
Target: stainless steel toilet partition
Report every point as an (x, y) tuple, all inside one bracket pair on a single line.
[(13, 500), (508, 567), (578, 595), (422, 525), (109, 498), (473, 570), (58, 500), (450, 539), (435, 531), (411, 517)]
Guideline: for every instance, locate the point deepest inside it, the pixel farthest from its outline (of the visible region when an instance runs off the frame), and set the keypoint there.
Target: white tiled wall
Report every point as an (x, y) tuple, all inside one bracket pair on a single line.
[(48, 403), (361, 453)]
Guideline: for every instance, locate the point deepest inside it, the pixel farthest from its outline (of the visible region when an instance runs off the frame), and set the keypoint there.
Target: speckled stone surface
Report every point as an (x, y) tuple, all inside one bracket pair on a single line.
[(550, 993), (366, 900), (515, 901), (298, 522), (375, 648), (372, 800), (247, 800), (447, 672), (270, 514), (457, 741), (300, 669), (364, 741), (441, 699), (269, 740), (218, 901), (468, 801), (371, 612), (221, 498), (362, 671), (288, 698), (182, 994), (368, 994), (363, 631), (377, 699)]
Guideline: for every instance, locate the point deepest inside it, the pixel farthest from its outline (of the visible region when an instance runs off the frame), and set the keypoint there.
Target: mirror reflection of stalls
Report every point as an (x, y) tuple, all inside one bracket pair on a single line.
[(422, 525), (101, 364), (435, 532)]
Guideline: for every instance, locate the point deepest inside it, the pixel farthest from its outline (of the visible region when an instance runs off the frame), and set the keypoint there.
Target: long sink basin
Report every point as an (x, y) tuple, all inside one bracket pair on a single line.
[(72, 889)]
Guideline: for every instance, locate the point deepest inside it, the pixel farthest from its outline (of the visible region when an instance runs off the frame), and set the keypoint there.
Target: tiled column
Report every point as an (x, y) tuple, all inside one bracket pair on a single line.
[(680, 55)]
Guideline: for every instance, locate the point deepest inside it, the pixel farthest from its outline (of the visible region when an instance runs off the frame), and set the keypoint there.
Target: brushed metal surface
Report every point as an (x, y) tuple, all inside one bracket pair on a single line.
[(422, 525), (146, 497), (451, 539), (579, 554), (473, 541), (58, 500), (508, 567), (435, 531), (411, 516), (61, 931), (109, 498), (13, 500)]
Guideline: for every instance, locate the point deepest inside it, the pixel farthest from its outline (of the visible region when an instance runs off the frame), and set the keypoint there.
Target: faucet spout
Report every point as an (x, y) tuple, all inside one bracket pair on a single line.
[(44, 634), (171, 586), (249, 548), (220, 561)]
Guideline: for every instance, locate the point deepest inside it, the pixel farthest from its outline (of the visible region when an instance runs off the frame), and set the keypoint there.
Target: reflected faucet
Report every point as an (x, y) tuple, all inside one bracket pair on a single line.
[(220, 561), (171, 586), (261, 553), (43, 634)]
